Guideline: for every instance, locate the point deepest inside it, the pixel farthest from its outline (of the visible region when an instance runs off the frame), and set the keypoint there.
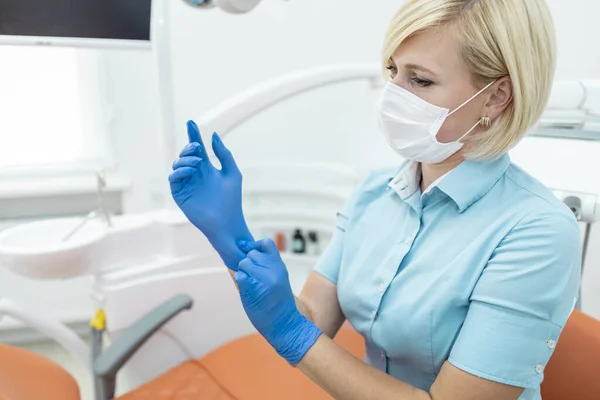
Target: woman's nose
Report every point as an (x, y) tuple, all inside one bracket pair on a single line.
[(401, 82)]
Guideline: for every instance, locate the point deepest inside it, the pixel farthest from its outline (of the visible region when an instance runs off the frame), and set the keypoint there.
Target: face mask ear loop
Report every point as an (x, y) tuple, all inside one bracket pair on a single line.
[(472, 97), (469, 131)]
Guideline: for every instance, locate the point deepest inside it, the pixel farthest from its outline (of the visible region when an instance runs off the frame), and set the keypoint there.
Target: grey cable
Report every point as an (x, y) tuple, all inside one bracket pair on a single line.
[(179, 343)]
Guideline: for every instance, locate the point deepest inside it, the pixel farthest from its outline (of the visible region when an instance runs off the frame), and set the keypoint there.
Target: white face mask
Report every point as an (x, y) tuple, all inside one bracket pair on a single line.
[(410, 125)]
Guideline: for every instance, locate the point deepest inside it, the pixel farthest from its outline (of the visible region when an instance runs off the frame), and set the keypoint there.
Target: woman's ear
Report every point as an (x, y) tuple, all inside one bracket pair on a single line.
[(500, 98)]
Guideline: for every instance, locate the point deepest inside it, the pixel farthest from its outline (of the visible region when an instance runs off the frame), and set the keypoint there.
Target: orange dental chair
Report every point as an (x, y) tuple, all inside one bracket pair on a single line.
[(248, 369), (574, 369)]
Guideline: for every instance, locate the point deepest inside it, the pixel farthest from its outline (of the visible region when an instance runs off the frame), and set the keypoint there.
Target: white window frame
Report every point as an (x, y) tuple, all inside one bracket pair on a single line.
[(70, 189)]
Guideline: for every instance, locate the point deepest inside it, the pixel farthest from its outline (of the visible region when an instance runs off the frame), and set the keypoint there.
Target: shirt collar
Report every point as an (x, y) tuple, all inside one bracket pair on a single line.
[(465, 184), (472, 180), (436, 183), (407, 179)]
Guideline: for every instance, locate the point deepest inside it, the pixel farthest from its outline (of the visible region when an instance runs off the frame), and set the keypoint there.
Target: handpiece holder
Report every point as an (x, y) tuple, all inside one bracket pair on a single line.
[(101, 210)]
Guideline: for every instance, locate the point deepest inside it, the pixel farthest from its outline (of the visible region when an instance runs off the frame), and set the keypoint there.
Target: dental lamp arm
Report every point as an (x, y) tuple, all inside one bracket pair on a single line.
[(110, 362), (230, 6), (238, 109)]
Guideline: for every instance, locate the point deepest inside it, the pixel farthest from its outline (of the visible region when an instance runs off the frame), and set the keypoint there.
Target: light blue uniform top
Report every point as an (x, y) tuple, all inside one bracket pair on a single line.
[(482, 270)]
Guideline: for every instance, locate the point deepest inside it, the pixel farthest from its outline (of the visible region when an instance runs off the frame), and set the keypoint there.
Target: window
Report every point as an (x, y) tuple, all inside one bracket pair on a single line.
[(53, 132), (51, 116)]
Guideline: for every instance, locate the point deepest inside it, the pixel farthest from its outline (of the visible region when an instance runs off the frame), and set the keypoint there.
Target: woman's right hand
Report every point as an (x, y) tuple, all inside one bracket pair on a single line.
[(211, 198)]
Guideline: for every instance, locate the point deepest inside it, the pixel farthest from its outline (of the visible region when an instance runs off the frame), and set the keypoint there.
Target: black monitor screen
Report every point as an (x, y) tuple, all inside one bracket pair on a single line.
[(94, 19)]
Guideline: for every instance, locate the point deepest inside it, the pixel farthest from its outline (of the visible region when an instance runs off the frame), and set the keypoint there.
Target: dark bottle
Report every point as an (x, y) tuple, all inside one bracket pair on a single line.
[(313, 243), (299, 243)]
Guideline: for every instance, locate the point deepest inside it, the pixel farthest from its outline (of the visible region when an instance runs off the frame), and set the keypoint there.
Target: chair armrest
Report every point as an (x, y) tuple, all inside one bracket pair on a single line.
[(110, 362)]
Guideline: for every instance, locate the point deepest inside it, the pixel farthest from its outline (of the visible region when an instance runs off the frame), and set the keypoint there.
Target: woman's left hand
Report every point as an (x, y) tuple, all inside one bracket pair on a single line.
[(269, 302), (211, 198)]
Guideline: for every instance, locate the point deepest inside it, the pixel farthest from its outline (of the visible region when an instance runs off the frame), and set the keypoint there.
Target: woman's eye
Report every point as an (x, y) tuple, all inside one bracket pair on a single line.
[(393, 70), (421, 82)]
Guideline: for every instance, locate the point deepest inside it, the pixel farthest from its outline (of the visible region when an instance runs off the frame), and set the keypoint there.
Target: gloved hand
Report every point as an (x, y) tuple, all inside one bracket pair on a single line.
[(269, 302), (211, 198)]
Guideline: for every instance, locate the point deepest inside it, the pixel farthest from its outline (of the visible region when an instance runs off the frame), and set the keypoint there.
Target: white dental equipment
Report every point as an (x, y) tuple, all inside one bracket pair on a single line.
[(231, 6), (573, 111)]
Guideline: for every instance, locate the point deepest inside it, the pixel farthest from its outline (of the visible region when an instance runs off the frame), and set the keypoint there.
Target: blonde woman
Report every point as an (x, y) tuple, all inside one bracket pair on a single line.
[(458, 268)]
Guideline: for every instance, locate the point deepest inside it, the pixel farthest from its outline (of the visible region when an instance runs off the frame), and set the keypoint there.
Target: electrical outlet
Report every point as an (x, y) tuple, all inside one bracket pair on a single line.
[(583, 205)]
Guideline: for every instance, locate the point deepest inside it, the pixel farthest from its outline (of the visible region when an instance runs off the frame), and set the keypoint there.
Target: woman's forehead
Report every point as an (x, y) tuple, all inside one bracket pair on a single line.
[(435, 49)]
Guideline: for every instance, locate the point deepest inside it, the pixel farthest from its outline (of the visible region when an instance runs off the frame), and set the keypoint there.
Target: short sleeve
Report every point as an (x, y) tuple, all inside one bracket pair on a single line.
[(330, 261), (521, 302)]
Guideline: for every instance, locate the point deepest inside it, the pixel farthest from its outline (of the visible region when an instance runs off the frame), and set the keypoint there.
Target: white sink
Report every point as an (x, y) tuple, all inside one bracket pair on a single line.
[(38, 249)]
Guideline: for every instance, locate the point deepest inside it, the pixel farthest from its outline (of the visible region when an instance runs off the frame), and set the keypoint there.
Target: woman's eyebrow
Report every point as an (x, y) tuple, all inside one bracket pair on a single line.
[(419, 68)]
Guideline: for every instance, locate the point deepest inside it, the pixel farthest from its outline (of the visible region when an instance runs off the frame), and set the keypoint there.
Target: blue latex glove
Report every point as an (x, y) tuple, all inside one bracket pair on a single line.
[(211, 198), (269, 302)]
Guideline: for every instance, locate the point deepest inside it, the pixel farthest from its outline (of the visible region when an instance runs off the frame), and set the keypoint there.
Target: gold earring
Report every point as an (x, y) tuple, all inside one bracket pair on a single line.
[(486, 122)]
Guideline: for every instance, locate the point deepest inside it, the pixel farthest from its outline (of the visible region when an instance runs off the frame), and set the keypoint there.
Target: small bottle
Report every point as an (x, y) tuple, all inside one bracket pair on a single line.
[(280, 241), (313, 243), (299, 242)]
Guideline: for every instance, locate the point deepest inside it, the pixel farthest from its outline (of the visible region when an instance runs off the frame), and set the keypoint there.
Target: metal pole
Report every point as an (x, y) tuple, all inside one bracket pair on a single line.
[(586, 239)]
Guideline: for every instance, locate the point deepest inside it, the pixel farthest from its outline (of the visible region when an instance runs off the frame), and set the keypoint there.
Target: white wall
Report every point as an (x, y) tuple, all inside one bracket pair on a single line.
[(216, 55), (576, 29), (280, 37)]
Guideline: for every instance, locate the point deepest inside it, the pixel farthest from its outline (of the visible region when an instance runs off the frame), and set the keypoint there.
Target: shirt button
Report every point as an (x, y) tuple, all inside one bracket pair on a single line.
[(382, 288), (551, 344), (382, 355), (373, 314), (539, 368), (408, 240)]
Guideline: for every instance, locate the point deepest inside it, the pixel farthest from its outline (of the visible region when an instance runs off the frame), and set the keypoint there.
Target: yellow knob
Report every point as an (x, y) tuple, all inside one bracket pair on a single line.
[(99, 320)]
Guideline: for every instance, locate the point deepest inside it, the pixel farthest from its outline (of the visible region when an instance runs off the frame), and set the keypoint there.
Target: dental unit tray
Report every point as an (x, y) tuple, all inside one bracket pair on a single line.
[(573, 112)]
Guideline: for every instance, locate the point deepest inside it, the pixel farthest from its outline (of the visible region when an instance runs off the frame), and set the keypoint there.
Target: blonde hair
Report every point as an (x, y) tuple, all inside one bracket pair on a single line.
[(499, 38)]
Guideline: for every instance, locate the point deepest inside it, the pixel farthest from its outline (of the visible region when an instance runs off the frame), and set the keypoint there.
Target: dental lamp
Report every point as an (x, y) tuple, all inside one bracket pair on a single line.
[(230, 6)]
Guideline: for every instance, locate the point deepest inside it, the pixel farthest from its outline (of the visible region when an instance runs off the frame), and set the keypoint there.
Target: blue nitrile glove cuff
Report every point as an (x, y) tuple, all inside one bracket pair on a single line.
[(301, 335), (269, 302), (225, 246)]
